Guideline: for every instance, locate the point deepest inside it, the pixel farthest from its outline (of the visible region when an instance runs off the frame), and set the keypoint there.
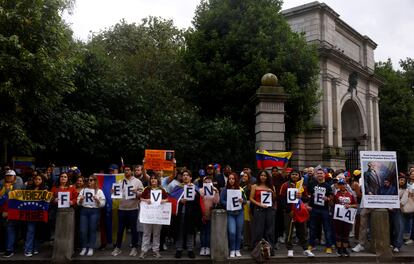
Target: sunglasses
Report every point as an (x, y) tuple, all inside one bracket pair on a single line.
[(92, 180)]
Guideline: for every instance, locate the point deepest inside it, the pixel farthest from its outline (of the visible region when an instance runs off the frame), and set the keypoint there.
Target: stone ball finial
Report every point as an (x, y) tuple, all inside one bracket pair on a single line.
[(269, 79)]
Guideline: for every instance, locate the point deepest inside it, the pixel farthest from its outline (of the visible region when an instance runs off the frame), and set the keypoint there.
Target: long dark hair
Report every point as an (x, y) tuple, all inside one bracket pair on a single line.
[(268, 181), (236, 182)]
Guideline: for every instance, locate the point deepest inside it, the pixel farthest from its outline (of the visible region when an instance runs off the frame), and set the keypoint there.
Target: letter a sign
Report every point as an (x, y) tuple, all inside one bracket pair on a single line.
[(343, 214)]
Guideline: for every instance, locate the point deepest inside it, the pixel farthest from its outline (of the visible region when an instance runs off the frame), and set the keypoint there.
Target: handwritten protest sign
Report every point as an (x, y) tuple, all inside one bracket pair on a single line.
[(155, 214)]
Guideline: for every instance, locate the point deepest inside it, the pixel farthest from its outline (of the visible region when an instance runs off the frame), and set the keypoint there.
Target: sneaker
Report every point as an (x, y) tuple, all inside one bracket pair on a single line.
[(345, 252), (238, 254), (8, 254), (35, 252), (157, 254), (339, 252), (116, 252), (178, 254), (396, 250), (358, 248), (328, 250), (133, 252), (308, 253), (83, 252), (409, 242), (208, 251), (203, 251), (143, 254), (290, 254), (282, 240), (28, 254), (164, 247), (190, 254), (90, 252), (232, 254)]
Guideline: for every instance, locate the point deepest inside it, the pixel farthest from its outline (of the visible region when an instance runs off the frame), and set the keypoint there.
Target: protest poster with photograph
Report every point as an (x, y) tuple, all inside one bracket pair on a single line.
[(160, 160), (379, 179), (155, 214)]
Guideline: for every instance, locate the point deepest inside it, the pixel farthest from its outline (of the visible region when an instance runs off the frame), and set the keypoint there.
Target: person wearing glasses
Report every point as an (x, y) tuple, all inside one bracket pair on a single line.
[(90, 200), (131, 188)]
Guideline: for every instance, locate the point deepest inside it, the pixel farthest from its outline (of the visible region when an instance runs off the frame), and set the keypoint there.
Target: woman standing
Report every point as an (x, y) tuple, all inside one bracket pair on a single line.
[(295, 182), (90, 199), (245, 183), (208, 201), (263, 215), (342, 229), (31, 245), (235, 218), (152, 229)]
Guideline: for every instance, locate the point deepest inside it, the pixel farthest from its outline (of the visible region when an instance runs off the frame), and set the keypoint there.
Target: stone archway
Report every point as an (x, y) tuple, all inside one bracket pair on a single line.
[(353, 136)]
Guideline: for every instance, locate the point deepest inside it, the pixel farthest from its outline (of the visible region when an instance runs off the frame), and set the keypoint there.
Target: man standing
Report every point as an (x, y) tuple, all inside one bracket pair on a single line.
[(221, 179), (131, 189), (321, 194), (372, 181)]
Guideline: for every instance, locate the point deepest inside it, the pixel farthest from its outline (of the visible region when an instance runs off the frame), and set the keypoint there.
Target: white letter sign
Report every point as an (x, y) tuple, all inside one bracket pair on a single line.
[(266, 198), (63, 199), (117, 194), (343, 214), (318, 197), (189, 192), (156, 197), (88, 197), (233, 200), (208, 189), (129, 192), (291, 195)]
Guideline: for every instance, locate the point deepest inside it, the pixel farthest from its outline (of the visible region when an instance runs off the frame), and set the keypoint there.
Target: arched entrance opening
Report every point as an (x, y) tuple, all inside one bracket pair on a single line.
[(353, 137)]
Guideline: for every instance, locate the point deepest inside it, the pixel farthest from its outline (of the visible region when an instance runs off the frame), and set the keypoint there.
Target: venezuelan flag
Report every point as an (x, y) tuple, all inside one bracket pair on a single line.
[(267, 160), (29, 205), (110, 219), (174, 198)]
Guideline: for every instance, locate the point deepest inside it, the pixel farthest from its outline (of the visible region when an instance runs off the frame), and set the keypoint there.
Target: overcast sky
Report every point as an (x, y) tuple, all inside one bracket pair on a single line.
[(388, 23)]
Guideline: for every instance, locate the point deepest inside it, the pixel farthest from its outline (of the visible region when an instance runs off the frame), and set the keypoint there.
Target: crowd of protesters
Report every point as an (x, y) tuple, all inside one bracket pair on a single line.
[(278, 223)]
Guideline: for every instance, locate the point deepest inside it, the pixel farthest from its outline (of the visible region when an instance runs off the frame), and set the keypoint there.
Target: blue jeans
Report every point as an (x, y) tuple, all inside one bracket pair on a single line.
[(205, 234), (397, 221), (11, 234), (317, 216), (31, 243), (89, 220), (235, 229), (127, 219)]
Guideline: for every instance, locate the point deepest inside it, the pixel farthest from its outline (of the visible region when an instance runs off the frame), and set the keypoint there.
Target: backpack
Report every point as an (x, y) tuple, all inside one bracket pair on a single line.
[(261, 252)]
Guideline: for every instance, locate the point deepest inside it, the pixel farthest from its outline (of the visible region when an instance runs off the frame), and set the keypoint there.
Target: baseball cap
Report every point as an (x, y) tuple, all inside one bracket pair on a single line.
[(10, 173), (341, 181)]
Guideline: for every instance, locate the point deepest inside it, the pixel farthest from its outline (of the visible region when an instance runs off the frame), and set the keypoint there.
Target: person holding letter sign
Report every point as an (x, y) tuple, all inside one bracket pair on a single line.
[(210, 197), (232, 196), (293, 193), (188, 216), (342, 229), (321, 195), (262, 197), (90, 200), (131, 188), (152, 194)]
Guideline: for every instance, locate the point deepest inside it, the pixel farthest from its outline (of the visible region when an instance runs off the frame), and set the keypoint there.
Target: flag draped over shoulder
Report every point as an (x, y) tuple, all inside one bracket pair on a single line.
[(174, 198), (29, 205), (266, 159), (105, 182)]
